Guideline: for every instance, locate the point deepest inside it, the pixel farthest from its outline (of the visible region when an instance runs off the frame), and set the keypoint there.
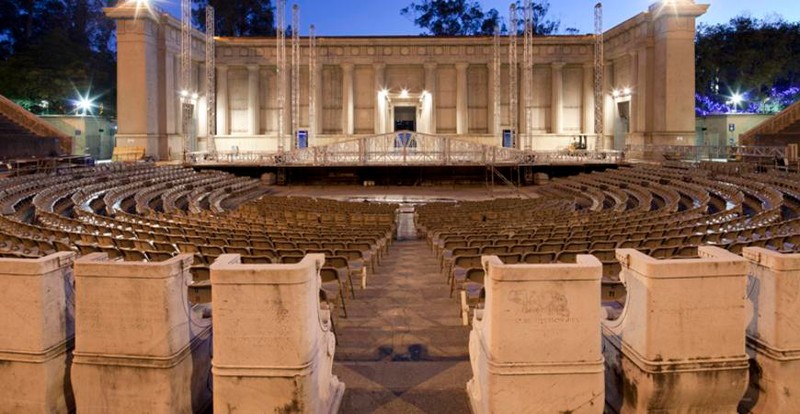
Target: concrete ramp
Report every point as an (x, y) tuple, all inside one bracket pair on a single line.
[(37, 322), (773, 334), (535, 347), (274, 345), (139, 347), (679, 344)]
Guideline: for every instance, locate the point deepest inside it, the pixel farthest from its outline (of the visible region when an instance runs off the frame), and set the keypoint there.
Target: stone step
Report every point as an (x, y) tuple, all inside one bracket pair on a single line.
[(404, 387)]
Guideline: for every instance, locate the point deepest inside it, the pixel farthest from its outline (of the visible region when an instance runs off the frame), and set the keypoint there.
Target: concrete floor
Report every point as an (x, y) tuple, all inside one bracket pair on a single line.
[(403, 349)]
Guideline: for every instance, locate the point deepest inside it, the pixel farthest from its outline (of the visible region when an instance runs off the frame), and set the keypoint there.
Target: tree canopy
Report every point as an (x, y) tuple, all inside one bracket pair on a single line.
[(467, 18), (237, 18), (757, 59), (53, 51)]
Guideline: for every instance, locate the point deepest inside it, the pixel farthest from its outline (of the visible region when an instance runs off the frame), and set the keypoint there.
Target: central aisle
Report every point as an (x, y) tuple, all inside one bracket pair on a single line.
[(403, 349)]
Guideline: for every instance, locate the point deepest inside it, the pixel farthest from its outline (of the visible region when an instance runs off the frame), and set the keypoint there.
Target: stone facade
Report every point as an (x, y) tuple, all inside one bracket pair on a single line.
[(445, 85)]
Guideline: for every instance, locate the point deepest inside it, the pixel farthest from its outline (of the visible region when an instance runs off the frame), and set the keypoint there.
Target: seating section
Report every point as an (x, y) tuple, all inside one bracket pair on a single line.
[(664, 212)]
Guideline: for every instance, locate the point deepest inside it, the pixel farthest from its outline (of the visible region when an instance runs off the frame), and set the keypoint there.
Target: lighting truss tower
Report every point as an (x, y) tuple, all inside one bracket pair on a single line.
[(280, 67), (599, 68), (211, 80), (513, 60), (295, 73), (527, 78), (312, 80), (187, 107), (496, 67)]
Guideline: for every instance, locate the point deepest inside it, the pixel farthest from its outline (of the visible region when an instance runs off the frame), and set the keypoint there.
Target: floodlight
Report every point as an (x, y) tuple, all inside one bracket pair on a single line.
[(626, 91), (404, 93)]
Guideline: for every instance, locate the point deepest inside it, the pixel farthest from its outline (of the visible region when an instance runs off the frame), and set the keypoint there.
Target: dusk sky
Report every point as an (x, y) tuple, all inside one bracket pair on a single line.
[(382, 17)]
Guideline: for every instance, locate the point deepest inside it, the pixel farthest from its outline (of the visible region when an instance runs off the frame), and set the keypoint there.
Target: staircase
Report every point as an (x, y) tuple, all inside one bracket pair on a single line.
[(24, 135), (780, 130)]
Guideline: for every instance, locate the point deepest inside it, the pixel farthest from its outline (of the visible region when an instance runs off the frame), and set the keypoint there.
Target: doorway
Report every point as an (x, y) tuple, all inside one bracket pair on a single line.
[(405, 118), (622, 125)]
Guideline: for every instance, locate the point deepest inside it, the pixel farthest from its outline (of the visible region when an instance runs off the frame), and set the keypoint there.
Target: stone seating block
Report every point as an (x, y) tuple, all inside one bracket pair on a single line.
[(679, 344), (36, 304), (273, 344), (535, 347), (773, 334), (139, 346)]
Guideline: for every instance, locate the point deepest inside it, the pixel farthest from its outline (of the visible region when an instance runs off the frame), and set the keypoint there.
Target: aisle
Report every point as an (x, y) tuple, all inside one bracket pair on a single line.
[(403, 349)]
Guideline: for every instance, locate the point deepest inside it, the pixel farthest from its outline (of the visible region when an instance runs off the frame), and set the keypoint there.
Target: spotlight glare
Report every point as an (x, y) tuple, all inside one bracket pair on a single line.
[(404, 93), (184, 93), (195, 95), (737, 98), (615, 93), (626, 91)]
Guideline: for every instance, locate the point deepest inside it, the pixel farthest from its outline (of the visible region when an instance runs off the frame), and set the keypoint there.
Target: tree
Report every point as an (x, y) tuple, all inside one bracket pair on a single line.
[(467, 18), (237, 18), (56, 50), (759, 59)]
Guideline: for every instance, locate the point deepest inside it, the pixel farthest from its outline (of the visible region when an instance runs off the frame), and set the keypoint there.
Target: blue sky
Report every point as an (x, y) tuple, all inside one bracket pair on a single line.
[(382, 17)]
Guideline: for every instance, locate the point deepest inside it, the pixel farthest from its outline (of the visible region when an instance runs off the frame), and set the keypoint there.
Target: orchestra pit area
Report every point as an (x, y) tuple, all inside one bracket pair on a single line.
[(402, 288)]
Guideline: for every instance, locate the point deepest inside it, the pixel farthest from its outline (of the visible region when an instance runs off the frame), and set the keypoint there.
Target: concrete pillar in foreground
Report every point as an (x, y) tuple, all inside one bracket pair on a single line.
[(535, 347), (679, 345), (273, 344), (139, 347), (773, 334), (37, 328)]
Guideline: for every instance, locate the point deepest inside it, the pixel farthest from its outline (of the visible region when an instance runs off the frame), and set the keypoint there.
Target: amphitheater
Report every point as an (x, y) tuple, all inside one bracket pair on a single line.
[(394, 270)]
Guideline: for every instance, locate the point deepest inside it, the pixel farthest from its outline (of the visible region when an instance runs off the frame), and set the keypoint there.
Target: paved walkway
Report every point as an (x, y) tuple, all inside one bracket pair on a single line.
[(403, 349)]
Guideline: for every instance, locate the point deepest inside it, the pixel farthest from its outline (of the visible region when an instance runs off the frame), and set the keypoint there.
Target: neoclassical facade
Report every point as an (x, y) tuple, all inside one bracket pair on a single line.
[(436, 85)]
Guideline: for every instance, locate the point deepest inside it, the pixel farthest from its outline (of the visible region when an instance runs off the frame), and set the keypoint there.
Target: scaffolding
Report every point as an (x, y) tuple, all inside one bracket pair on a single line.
[(527, 79), (280, 69), (513, 87), (599, 69), (211, 81), (496, 67), (187, 106), (295, 74), (312, 81)]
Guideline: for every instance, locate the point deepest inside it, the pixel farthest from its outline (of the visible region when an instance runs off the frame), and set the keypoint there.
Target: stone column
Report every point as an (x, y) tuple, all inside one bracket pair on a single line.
[(462, 121), (223, 126), (588, 99), (316, 123), (673, 72), (557, 98), (490, 93), (641, 90), (430, 86), (347, 98), (253, 105), (633, 84), (138, 103), (380, 98)]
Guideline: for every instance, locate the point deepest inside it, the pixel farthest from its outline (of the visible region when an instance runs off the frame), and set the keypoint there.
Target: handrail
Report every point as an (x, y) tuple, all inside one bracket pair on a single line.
[(33, 123)]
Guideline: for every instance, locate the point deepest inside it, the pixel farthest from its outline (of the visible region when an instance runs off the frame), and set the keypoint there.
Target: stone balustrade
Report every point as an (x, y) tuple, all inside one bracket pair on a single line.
[(535, 347), (139, 346), (273, 343), (773, 334), (679, 344), (37, 325)]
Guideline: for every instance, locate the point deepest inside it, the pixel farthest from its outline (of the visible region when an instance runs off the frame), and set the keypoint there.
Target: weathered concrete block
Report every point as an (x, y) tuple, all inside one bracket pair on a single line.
[(773, 334), (679, 345), (273, 345), (139, 347), (37, 322), (535, 347)]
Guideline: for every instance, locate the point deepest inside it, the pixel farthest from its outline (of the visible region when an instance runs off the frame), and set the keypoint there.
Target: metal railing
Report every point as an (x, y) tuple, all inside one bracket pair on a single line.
[(405, 148), (702, 152)]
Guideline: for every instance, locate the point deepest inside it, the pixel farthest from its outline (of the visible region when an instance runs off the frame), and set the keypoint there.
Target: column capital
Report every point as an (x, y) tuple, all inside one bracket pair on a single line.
[(430, 65), (379, 65), (462, 65), (222, 67), (253, 68), (558, 65), (346, 66)]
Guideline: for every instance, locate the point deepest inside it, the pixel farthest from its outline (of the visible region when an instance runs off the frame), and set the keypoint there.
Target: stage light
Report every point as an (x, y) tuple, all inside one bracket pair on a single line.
[(84, 105), (615, 93), (626, 91), (195, 96), (736, 99), (184, 93), (404, 93)]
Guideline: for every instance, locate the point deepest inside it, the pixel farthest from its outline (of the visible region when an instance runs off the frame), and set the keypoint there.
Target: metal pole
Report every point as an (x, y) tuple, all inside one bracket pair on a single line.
[(211, 81), (280, 68), (513, 59), (312, 81), (295, 73), (599, 68)]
